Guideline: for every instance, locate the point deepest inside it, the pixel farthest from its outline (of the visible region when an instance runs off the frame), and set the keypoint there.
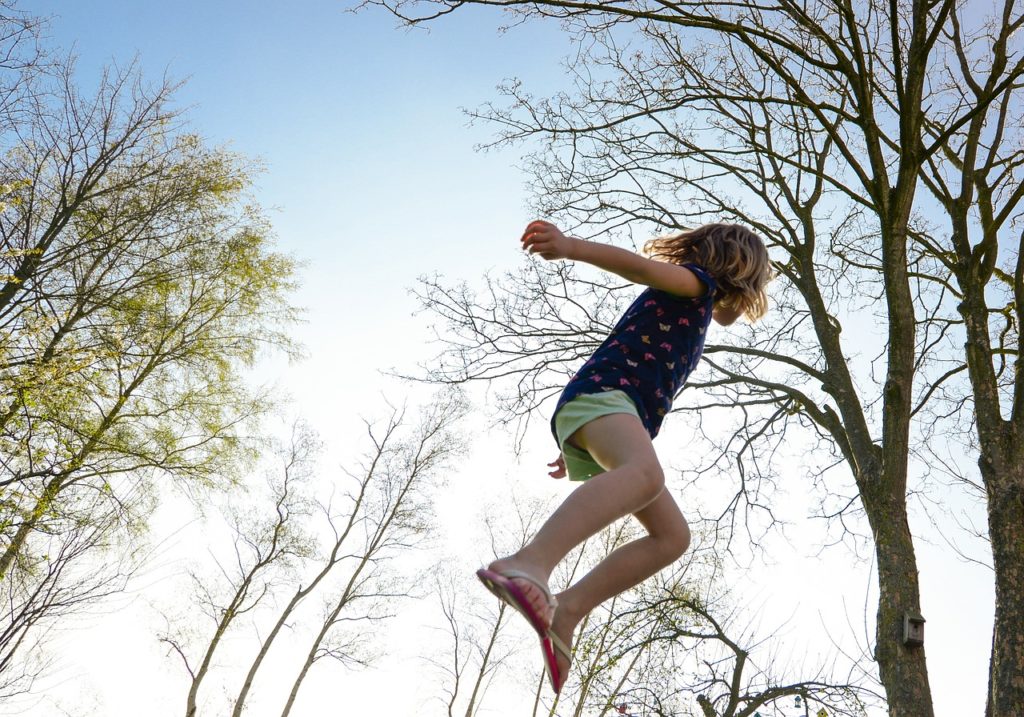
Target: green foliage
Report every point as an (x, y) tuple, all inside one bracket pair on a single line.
[(137, 284)]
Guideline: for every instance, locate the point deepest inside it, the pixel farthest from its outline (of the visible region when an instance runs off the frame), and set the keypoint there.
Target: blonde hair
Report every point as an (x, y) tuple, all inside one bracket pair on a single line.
[(731, 253)]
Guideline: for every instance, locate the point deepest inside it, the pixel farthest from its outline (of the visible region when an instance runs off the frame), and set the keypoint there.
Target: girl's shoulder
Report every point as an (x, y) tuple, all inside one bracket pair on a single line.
[(705, 276), (660, 295)]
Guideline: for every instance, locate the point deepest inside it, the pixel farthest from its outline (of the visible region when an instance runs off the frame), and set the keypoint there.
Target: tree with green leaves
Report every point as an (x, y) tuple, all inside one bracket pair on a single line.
[(877, 146), (137, 284)]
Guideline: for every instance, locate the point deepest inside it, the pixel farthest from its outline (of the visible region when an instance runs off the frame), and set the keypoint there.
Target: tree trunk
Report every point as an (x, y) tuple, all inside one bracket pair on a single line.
[(1001, 464), (250, 676), (902, 669), (13, 550), (1004, 477)]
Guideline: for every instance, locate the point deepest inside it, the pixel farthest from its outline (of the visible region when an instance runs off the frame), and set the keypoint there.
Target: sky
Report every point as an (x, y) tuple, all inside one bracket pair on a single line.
[(372, 180)]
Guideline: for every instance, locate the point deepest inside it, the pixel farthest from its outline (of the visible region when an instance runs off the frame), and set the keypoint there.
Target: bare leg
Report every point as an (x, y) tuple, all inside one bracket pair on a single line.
[(633, 481), (668, 538)]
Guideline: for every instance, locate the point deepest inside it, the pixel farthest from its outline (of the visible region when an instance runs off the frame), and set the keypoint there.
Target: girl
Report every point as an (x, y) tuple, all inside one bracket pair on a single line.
[(613, 407)]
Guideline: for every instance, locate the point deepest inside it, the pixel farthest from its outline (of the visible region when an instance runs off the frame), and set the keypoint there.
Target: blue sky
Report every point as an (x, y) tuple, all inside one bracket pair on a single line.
[(372, 180), (371, 175)]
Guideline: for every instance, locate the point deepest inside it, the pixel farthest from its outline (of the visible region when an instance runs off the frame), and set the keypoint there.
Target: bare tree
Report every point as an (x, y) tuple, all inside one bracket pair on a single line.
[(392, 512), (670, 645), (269, 544), (675, 642), (482, 648), (81, 566), (689, 633), (477, 651), (21, 58), (282, 560), (816, 124)]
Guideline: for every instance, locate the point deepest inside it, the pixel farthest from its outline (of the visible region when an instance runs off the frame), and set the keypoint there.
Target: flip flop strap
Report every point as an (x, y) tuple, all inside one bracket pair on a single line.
[(552, 602), (559, 645)]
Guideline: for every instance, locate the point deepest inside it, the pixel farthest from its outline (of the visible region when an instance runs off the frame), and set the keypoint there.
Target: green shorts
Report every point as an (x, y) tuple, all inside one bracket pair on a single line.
[(583, 409)]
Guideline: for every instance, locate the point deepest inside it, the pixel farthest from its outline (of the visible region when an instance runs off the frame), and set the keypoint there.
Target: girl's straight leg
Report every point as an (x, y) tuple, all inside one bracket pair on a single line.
[(632, 479)]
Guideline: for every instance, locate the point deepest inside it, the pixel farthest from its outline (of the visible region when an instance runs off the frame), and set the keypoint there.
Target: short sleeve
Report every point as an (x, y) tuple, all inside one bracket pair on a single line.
[(704, 276)]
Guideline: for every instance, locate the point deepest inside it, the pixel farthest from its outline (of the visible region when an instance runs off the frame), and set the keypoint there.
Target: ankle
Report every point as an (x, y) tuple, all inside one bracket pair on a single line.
[(569, 609), (535, 564), (526, 562)]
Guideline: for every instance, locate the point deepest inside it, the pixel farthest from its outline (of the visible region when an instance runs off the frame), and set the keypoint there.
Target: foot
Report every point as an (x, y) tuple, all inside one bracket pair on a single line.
[(562, 627), (540, 599)]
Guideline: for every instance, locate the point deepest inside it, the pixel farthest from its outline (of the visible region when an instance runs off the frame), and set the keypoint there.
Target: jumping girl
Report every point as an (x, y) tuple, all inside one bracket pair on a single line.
[(613, 407)]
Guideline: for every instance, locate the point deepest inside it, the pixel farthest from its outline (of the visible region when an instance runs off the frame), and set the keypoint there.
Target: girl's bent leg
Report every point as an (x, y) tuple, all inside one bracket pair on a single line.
[(632, 481), (668, 538), (633, 478)]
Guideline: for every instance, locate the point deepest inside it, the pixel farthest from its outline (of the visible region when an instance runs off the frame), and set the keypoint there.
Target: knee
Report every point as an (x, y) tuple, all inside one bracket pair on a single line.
[(676, 542), (683, 539), (651, 479)]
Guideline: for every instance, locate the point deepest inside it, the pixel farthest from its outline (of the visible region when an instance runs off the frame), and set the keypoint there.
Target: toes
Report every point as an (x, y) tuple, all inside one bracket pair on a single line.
[(537, 599)]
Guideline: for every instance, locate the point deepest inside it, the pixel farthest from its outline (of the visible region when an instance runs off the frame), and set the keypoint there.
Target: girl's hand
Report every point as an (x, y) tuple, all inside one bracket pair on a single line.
[(559, 466), (546, 239)]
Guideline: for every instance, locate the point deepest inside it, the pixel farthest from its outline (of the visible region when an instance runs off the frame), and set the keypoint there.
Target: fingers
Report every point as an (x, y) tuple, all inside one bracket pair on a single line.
[(544, 247), (532, 238), (559, 465), (536, 230), (546, 239), (538, 224), (535, 243), (540, 238)]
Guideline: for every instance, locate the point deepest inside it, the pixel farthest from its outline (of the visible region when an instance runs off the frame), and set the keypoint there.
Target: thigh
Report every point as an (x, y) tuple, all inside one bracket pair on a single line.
[(615, 440)]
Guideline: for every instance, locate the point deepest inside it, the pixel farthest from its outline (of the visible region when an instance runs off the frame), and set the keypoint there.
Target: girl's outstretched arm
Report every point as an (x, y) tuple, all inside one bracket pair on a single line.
[(547, 240)]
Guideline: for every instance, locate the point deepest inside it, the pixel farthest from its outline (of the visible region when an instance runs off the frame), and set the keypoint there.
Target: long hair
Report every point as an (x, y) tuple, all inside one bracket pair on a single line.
[(733, 254)]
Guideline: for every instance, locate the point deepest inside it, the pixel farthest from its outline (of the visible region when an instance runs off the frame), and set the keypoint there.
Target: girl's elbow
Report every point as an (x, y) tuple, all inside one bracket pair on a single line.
[(725, 317)]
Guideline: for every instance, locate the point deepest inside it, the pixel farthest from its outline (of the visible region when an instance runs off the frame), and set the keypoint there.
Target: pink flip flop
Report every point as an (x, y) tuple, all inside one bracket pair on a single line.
[(550, 644), (507, 591)]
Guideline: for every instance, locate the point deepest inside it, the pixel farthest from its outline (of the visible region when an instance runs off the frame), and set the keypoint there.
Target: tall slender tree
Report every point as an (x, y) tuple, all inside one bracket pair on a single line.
[(313, 563)]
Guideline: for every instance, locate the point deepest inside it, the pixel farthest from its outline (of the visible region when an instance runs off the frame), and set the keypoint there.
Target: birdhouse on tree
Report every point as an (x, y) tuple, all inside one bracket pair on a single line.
[(913, 629)]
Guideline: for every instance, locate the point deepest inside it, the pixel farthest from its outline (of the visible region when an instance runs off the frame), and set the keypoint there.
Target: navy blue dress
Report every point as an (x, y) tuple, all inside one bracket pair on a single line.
[(650, 353)]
